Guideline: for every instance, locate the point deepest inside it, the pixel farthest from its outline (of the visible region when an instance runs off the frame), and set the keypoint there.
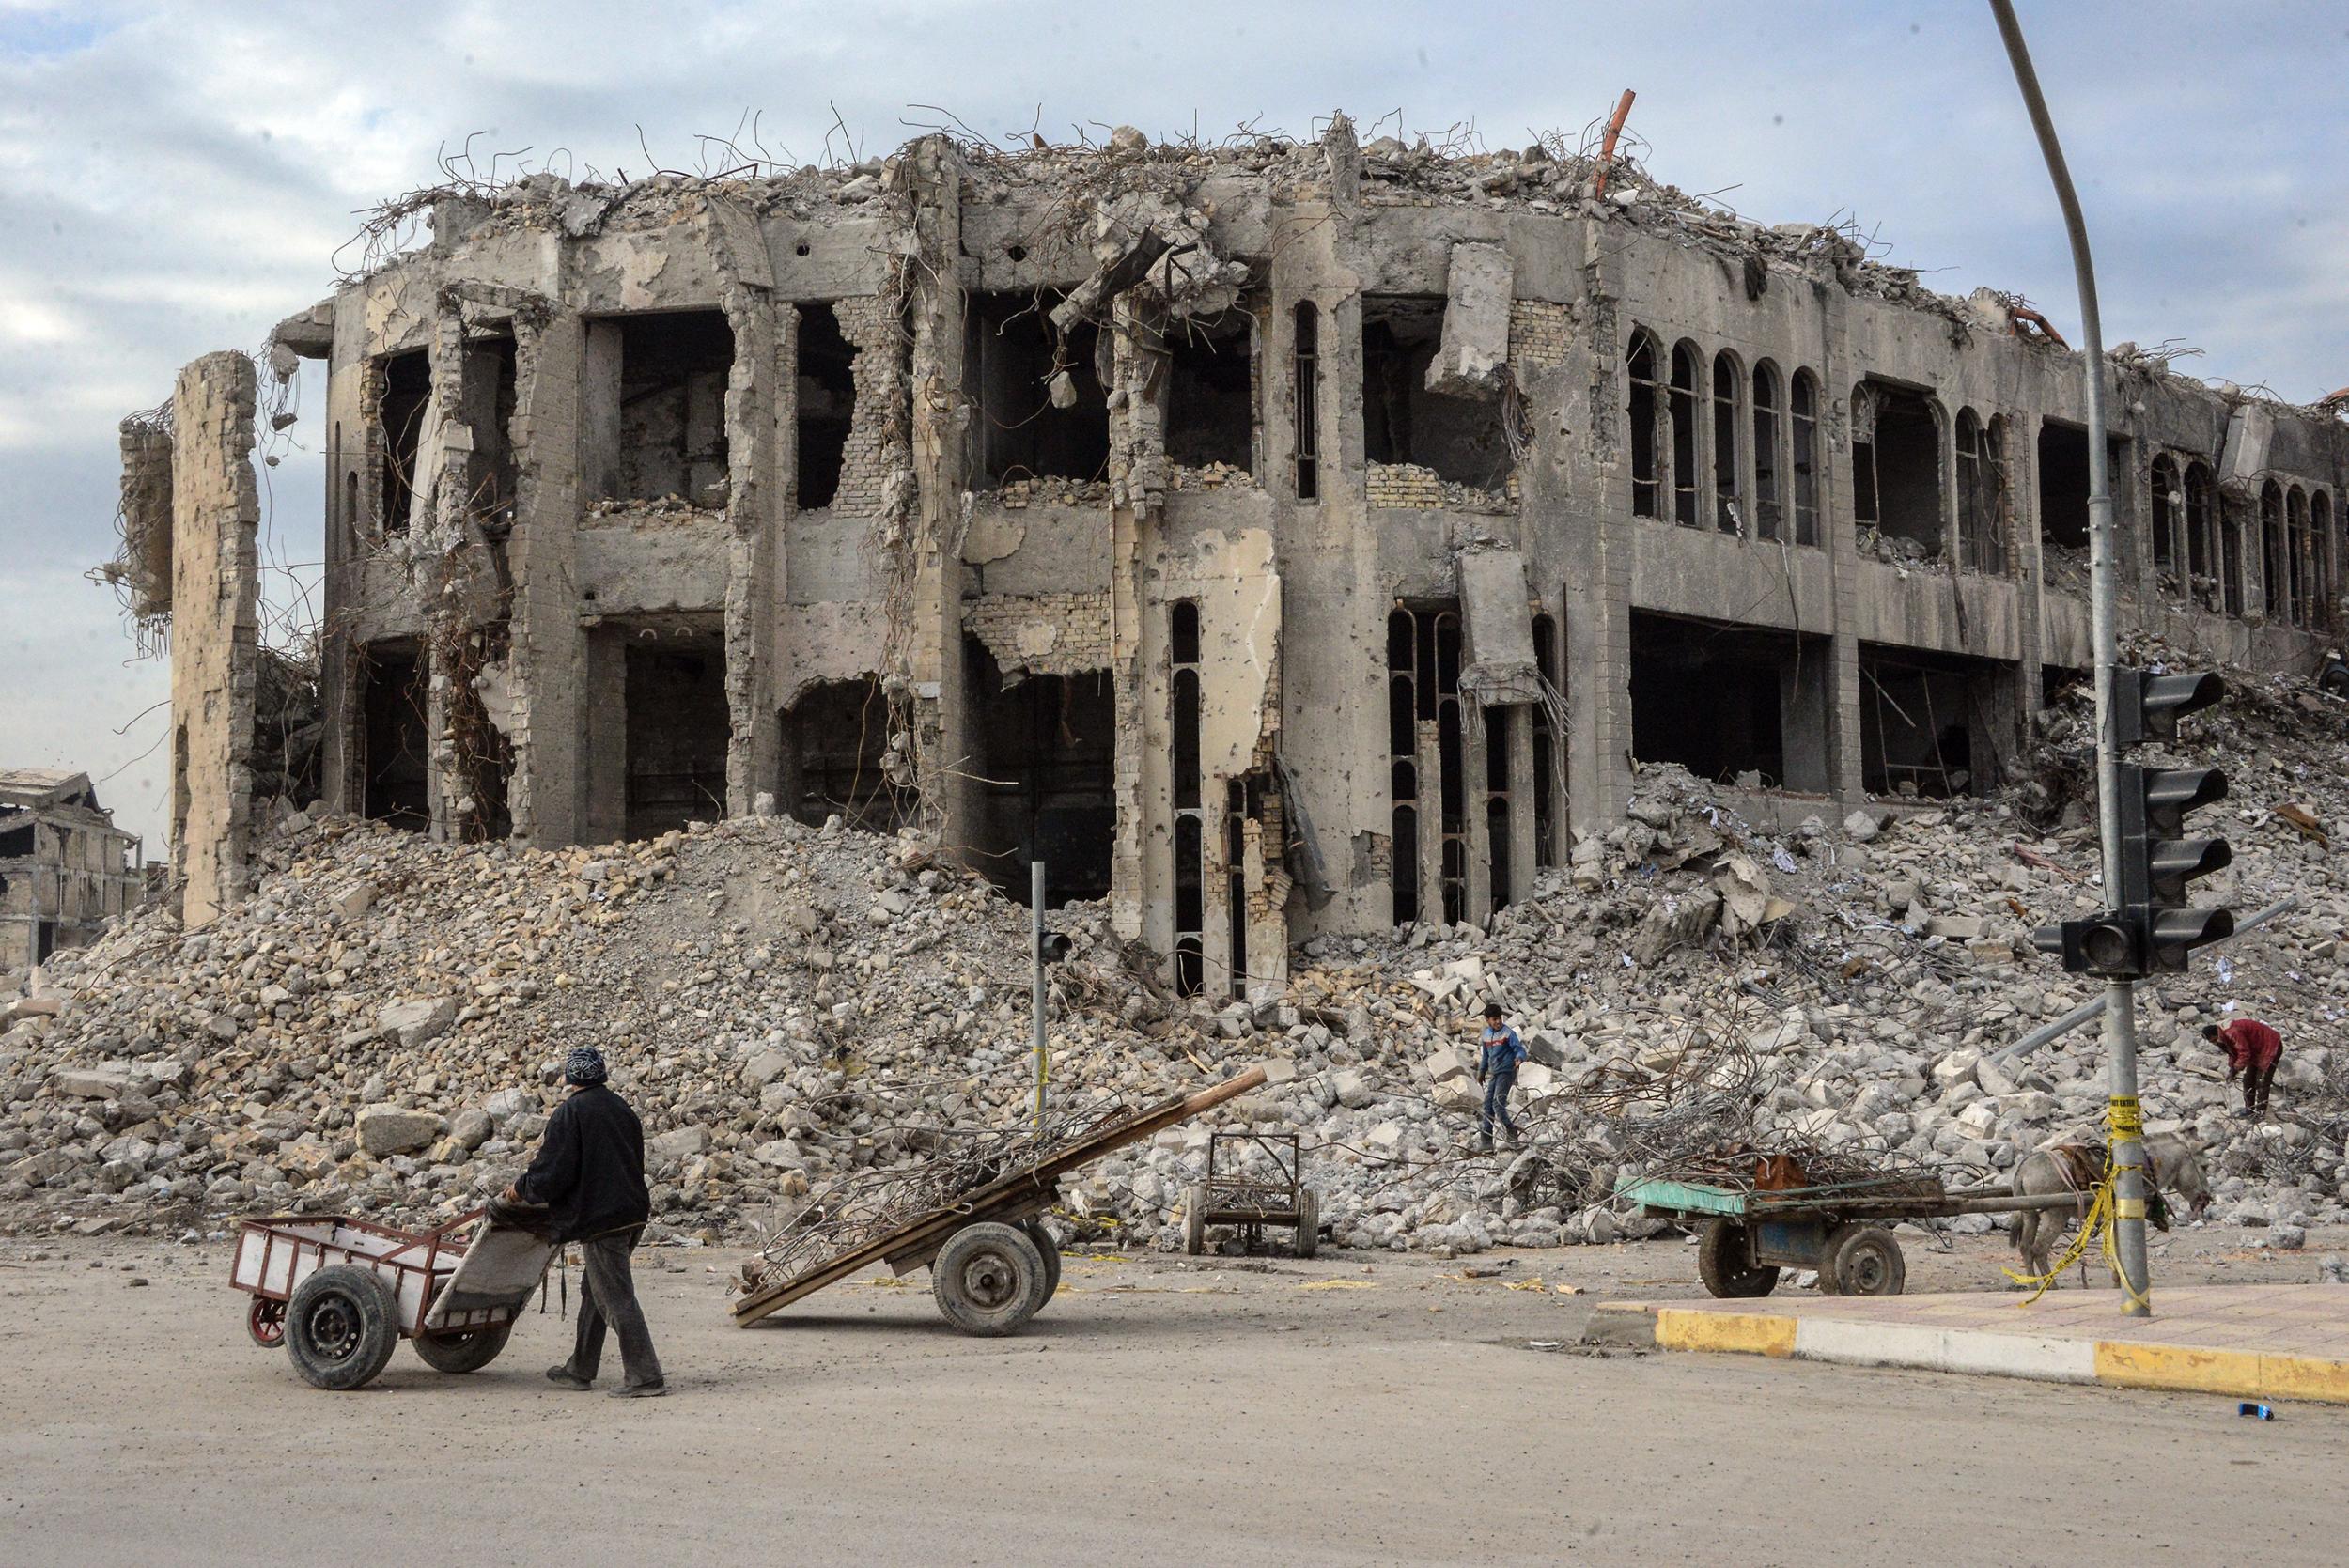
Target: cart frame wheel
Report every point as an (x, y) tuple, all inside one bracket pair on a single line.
[(341, 1327), (989, 1278), (1308, 1223), (1033, 1228), (1725, 1263), (265, 1320), (1194, 1219), (463, 1350), (1865, 1259)]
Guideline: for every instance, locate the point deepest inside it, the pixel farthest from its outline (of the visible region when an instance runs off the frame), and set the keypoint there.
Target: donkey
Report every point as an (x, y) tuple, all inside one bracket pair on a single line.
[(2172, 1164)]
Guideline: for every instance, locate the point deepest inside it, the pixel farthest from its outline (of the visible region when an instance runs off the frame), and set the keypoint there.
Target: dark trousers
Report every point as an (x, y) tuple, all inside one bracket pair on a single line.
[(2255, 1082), (1496, 1089), (608, 1295)]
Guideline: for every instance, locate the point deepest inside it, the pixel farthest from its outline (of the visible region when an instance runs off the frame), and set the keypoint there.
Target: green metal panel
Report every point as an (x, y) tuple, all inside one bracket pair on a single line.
[(1682, 1197)]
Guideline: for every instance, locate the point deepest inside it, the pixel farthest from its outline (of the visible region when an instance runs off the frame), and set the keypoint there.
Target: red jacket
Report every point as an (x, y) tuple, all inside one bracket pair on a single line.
[(2250, 1043)]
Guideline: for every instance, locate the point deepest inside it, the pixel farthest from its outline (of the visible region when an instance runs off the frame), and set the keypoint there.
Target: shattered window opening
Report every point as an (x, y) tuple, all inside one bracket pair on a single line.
[(2202, 542), (1685, 499), (1925, 722), (833, 756), (671, 441), (2327, 560), (1043, 411), (1237, 814), (1646, 399), (2301, 577), (2272, 551), (407, 389), (1766, 504), (1548, 765), (1982, 492), (2169, 498), (2062, 486), (1897, 467), (1728, 445), (825, 404), (1739, 705), (1459, 437), (1211, 393), (1805, 405), (677, 728), (396, 737), (1045, 771), (1423, 673)]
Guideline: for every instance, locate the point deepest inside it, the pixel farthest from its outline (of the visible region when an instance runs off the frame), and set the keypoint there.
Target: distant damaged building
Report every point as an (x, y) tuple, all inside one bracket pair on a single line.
[(1273, 539), (64, 868)]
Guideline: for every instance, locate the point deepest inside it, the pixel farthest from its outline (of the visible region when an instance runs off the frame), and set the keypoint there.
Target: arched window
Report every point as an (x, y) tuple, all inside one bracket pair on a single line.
[(2218, 581), (2274, 565), (1970, 510), (2326, 563), (1804, 401), (1684, 422), (1728, 445), (2301, 556), (1306, 350), (1768, 432), (1645, 405), (2168, 519)]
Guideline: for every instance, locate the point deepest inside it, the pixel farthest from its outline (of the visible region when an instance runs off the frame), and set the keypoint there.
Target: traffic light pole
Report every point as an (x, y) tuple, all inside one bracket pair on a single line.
[(2120, 1024)]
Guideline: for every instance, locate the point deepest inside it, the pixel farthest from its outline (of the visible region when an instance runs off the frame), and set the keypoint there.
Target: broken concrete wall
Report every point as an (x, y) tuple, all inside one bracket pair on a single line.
[(145, 558), (1473, 357), (1043, 634), (216, 595)]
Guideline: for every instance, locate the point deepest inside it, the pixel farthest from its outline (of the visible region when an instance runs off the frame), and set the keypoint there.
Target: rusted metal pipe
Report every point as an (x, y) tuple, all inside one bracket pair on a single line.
[(1607, 147)]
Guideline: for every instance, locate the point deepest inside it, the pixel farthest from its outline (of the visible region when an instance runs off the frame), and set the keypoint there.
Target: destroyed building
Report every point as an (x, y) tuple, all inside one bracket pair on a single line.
[(1275, 539), (66, 870)]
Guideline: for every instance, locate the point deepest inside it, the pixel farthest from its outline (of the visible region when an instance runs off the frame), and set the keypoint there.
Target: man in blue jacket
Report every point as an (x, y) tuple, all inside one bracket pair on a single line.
[(1499, 1051), (589, 1177)]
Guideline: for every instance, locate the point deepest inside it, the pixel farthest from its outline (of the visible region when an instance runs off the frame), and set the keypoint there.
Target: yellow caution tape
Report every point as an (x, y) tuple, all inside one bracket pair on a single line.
[(2123, 1115), (1338, 1284)]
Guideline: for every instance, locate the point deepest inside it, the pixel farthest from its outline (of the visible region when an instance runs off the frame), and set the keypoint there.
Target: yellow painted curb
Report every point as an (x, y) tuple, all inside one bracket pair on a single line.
[(2304, 1377), (2179, 1367), (1747, 1333)]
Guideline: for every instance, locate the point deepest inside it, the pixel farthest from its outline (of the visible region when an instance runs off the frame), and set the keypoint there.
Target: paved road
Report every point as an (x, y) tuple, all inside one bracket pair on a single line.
[(1156, 1413)]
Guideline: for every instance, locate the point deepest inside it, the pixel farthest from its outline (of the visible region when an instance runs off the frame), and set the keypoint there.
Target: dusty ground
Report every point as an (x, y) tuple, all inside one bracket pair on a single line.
[(1354, 1409)]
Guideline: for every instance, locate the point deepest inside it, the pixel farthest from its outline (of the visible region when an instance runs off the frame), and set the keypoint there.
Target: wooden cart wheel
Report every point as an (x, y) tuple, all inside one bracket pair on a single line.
[(1034, 1231), (989, 1278), (1726, 1266), (265, 1320), (1308, 1223), (341, 1327), (464, 1349), (1195, 1220), (1865, 1260)]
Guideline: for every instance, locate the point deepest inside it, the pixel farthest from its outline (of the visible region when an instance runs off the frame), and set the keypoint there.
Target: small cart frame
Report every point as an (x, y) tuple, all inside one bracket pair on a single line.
[(338, 1294), (1745, 1234), (1228, 1198)]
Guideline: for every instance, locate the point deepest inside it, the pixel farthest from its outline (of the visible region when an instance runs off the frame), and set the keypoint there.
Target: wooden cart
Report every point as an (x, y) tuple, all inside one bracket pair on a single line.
[(992, 1264), (338, 1294), (1745, 1234)]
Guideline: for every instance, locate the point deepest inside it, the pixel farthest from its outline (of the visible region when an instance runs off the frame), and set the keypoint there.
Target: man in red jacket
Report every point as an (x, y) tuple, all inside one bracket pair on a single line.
[(2252, 1049)]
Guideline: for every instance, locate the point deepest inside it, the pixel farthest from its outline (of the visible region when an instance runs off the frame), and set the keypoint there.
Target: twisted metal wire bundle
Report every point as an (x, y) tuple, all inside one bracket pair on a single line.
[(855, 1209)]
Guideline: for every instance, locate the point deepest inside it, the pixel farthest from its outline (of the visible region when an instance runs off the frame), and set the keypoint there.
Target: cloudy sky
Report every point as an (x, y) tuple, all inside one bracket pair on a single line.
[(174, 178)]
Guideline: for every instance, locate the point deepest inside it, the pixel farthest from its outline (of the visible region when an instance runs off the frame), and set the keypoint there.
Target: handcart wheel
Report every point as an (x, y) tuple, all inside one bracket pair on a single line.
[(265, 1320), (1195, 1220), (1725, 1265), (989, 1278), (341, 1327), (1308, 1223), (464, 1349), (1034, 1231), (1865, 1260)]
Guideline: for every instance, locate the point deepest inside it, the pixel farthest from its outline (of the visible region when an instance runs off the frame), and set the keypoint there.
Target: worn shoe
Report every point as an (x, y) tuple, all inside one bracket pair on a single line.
[(640, 1391), (565, 1377)]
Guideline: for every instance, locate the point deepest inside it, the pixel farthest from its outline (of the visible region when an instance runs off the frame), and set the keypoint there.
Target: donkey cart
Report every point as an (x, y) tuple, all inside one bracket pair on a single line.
[(1746, 1234)]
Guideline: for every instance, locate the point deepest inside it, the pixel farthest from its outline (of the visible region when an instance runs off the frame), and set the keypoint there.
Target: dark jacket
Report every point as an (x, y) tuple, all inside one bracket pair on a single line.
[(590, 1170)]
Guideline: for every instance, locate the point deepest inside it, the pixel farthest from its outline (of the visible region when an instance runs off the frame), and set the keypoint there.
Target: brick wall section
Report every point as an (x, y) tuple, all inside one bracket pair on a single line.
[(146, 516), (1405, 485), (1046, 634), (868, 324), (1538, 332)]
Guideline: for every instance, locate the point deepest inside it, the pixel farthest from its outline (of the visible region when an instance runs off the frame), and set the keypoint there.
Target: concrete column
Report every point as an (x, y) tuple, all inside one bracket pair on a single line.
[(216, 596), (548, 795)]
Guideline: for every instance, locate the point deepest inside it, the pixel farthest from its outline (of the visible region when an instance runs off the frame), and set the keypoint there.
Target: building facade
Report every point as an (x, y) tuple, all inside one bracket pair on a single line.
[(64, 868), (1276, 539)]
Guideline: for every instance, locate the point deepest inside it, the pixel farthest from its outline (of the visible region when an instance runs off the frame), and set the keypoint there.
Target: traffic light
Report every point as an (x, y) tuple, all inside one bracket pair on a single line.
[(2148, 927), (2147, 706), (2157, 859)]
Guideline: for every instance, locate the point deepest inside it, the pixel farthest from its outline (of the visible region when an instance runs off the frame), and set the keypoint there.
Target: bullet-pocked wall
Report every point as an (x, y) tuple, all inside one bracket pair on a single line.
[(1278, 538)]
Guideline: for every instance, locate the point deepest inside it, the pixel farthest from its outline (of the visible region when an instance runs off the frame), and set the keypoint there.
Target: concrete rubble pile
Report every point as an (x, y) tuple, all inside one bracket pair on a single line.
[(375, 1029)]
